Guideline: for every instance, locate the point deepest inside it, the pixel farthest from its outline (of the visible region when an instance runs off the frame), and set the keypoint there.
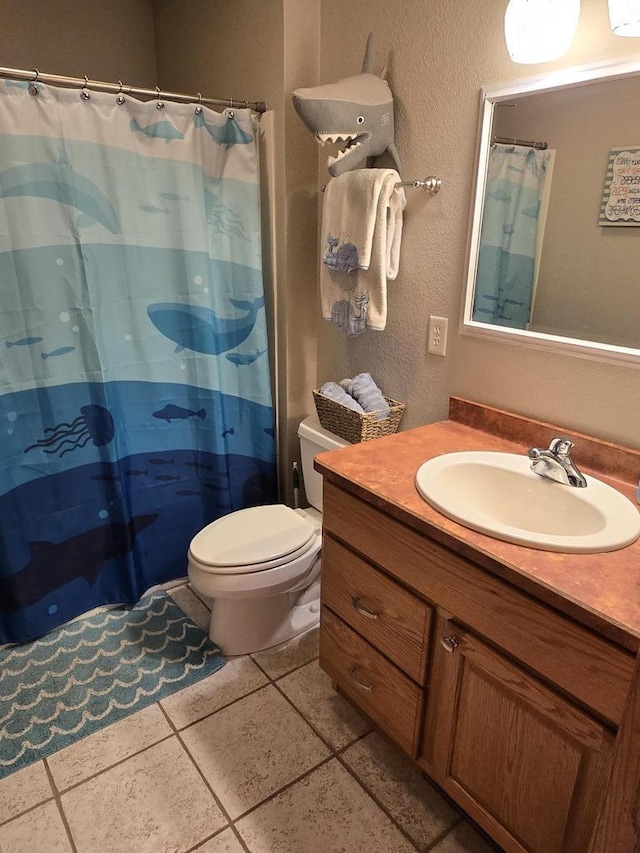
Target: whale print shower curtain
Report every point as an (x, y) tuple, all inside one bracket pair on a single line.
[(513, 221), (135, 401)]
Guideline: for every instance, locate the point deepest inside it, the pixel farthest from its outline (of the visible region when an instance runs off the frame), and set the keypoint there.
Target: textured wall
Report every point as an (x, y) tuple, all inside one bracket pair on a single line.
[(106, 41), (442, 53)]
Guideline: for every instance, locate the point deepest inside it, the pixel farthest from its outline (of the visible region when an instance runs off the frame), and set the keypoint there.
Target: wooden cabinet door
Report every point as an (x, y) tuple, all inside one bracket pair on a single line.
[(524, 762)]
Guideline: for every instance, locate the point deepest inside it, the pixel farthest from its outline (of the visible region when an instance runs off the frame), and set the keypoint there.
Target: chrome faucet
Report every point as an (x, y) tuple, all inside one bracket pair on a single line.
[(556, 463)]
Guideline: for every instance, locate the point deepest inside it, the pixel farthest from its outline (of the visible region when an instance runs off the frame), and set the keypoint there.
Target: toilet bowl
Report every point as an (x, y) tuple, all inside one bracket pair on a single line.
[(261, 566)]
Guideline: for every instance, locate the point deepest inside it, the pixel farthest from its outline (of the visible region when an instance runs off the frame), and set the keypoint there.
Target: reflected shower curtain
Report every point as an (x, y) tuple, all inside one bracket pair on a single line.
[(515, 208), (135, 401)]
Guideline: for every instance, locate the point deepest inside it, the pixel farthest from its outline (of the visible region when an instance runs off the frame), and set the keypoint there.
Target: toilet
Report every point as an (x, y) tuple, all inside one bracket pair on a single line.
[(261, 566)]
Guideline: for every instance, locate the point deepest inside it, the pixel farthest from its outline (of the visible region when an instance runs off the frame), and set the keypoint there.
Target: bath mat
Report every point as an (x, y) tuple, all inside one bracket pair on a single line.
[(90, 673)]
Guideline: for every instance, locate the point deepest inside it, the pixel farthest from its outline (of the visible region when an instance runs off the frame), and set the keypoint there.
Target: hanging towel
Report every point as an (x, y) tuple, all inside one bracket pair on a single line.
[(362, 230)]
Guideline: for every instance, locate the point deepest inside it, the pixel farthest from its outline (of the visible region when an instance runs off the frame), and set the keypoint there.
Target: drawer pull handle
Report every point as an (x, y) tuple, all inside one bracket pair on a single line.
[(449, 644), (355, 603), (352, 672)]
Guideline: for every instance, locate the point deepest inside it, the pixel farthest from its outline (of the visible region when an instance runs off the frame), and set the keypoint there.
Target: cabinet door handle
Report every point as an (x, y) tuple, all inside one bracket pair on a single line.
[(355, 603), (449, 644), (352, 672)]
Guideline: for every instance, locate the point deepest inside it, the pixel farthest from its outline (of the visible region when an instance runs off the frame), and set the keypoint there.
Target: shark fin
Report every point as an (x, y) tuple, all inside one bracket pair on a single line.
[(367, 62)]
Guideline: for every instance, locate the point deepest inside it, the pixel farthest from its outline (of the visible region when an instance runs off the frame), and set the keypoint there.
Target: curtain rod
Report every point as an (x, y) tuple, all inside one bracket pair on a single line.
[(508, 140), (120, 89)]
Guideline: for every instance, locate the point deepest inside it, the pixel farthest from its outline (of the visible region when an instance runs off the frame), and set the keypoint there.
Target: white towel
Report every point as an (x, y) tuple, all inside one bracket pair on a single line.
[(361, 233)]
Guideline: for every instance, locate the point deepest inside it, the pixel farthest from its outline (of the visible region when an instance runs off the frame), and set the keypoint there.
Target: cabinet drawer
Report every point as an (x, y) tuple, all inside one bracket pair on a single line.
[(377, 686), (392, 619), (586, 666)]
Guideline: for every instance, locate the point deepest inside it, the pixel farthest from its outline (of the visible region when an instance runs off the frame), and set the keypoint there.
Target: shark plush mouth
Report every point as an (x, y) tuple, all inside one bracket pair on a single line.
[(361, 107), (348, 142)]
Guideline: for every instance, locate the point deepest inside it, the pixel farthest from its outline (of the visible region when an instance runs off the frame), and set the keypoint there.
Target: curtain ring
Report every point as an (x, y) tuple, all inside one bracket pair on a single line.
[(199, 106), (230, 112), (160, 104), (120, 99), (33, 89), (86, 94)]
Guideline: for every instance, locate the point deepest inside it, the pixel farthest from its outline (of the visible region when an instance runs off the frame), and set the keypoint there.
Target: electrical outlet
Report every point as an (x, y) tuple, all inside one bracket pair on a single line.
[(438, 328)]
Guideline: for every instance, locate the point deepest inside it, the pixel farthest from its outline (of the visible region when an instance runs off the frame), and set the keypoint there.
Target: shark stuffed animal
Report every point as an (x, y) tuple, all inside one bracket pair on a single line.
[(357, 111)]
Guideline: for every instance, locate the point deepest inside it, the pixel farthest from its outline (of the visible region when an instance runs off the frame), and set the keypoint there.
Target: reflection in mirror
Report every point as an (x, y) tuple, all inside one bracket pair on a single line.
[(550, 261)]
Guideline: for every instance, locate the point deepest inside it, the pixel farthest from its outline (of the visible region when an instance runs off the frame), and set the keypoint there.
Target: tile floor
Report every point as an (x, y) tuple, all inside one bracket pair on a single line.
[(262, 756)]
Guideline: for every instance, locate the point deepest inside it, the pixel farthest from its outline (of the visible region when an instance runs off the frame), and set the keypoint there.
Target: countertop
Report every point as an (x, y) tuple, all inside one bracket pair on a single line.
[(601, 591)]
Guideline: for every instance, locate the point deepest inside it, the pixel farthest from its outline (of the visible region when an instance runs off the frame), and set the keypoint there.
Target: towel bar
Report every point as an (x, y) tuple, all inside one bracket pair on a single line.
[(430, 184)]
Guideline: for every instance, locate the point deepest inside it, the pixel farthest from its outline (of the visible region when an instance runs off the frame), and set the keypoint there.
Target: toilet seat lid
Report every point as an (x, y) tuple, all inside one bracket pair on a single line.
[(250, 537)]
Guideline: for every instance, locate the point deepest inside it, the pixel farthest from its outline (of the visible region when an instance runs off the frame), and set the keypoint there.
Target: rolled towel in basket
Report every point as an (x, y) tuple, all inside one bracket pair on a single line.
[(335, 392), (363, 389)]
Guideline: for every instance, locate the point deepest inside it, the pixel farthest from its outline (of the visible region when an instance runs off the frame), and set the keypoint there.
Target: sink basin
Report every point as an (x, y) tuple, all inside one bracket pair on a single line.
[(499, 495)]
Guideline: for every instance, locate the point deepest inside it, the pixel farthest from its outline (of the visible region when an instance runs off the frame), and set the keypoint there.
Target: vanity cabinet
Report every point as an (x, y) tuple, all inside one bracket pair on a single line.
[(519, 758), (510, 706)]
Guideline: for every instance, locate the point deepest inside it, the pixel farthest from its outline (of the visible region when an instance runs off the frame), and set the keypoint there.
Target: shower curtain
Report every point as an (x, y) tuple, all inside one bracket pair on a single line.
[(515, 209), (135, 400)]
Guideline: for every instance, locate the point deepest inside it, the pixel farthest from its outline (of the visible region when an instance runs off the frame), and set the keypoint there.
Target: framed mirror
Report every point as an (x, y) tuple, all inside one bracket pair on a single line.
[(554, 245)]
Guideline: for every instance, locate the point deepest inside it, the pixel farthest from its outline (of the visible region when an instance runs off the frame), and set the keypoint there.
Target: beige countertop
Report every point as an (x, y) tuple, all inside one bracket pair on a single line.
[(601, 591)]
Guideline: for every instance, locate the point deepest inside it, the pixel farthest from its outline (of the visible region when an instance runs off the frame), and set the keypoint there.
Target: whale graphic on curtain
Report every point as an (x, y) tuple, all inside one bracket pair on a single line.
[(131, 414)]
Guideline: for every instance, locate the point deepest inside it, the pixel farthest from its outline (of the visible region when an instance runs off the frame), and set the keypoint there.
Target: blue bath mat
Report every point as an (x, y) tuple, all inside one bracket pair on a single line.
[(86, 675)]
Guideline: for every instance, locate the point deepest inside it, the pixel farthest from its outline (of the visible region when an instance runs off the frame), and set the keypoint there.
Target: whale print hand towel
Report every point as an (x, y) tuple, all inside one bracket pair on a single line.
[(361, 234)]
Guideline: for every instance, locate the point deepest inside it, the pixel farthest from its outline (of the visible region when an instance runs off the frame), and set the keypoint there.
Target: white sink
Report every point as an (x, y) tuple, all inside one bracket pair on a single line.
[(498, 494)]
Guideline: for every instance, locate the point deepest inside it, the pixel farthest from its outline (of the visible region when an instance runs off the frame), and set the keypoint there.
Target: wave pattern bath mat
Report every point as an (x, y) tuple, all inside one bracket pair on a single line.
[(92, 672)]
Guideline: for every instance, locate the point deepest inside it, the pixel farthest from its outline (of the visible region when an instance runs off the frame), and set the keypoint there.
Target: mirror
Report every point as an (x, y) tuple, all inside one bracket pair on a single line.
[(554, 248)]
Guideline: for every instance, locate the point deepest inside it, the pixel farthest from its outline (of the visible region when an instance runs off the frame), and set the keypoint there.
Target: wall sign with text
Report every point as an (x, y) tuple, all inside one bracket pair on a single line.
[(621, 195)]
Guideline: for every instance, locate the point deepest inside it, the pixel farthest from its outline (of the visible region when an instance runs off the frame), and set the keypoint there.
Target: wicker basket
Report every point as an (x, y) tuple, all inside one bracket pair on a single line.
[(355, 426)]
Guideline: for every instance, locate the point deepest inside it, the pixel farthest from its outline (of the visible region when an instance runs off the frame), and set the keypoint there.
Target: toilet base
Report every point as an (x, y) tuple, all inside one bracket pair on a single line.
[(244, 625)]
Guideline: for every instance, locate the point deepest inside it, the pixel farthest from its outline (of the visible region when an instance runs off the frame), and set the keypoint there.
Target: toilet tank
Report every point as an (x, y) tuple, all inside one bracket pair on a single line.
[(315, 439)]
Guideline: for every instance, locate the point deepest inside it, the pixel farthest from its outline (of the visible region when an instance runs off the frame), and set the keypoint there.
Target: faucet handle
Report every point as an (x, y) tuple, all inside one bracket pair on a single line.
[(561, 446)]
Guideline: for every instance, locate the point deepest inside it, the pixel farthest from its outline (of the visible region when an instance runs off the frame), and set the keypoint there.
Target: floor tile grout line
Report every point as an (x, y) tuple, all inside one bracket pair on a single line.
[(295, 669), (281, 675), (270, 680), (284, 788), (380, 805), (442, 836), (261, 668), (115, 763), (57, 796), (215, 711), (336, 750), (323, 761), (216, 799), (26, 811), (206, 840)]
